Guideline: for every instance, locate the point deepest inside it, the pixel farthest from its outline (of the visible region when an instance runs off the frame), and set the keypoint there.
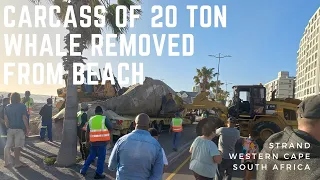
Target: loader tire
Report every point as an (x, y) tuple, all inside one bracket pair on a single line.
[(265, 130)]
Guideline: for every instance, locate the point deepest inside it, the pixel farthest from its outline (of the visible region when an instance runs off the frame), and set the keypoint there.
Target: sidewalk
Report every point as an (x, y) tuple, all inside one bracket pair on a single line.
[(33, 155)]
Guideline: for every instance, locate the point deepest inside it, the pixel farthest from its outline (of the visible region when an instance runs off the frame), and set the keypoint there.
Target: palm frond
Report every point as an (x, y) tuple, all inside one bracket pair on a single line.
[(111, 21), (129, 3)]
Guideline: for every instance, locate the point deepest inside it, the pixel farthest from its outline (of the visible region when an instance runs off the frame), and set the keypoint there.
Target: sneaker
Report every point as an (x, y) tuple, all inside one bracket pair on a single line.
[(98, 176), (82, 173)]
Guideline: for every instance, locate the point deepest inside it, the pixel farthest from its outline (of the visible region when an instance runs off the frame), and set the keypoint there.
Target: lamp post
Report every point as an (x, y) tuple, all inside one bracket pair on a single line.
[(218, 57)]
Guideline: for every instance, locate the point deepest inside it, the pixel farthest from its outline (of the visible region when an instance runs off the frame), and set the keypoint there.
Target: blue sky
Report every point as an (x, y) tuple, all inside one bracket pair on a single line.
[(261, 36)]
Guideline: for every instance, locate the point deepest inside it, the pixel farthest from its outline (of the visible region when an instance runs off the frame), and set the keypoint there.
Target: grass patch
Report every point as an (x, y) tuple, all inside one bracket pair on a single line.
[(78, 159), (50, 160)]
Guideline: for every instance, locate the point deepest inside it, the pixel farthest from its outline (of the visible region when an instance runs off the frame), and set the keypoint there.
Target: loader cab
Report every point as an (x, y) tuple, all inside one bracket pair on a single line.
[(248, 101)]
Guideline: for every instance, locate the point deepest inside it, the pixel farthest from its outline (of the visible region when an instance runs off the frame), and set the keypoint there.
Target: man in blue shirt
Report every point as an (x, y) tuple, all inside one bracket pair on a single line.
[(137, 156), (16, 120)]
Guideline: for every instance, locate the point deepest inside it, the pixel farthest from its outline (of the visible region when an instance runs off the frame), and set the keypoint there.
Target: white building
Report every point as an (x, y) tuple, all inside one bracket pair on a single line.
[(308, 60), (284, 84), (196, 88)]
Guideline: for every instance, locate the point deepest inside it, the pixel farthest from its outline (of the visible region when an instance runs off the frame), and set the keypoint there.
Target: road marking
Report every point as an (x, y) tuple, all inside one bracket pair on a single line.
[(178, 168)]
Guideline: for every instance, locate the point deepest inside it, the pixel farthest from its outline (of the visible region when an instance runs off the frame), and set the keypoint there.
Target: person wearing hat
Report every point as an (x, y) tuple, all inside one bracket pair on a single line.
[(82, 120), (228, 137), (304, 141), (176, 128), (46, 120), (98, 136), (137, 156)]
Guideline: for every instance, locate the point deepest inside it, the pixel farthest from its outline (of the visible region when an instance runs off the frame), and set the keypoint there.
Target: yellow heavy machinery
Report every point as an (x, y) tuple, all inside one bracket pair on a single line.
[(202, 102), (87, 93), (252, 111)]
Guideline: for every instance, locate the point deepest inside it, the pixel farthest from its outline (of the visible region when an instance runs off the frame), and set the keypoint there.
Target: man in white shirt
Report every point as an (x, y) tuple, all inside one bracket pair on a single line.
[(154, 133)]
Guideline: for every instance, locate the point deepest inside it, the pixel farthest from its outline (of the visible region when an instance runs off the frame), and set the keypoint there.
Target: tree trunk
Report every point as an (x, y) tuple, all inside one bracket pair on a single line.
[(68, 150)]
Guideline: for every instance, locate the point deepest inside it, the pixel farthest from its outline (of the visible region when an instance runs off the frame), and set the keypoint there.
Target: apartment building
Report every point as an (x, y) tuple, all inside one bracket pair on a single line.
[(196, 88), (308, 60), (284, 84)]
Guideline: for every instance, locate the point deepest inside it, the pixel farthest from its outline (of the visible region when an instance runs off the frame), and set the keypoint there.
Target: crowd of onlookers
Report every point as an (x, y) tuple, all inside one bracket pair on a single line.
[(211, 160), (14, 121), (139, 156)]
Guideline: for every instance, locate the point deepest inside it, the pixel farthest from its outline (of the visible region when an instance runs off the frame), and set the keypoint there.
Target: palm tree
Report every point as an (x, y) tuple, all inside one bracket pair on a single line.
[(204, 78), (68, 150)]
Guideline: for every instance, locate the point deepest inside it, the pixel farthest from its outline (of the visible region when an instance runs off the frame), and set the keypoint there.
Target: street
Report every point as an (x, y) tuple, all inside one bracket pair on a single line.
[(35, 151)]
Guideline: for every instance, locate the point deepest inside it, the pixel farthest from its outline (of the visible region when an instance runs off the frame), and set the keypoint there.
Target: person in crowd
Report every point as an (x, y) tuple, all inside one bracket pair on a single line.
[(305, 140), (154, 133), (137, 155), (81, 128), (205, 155), (227, 141), (28, 101), (204, 114), (3, 127), (17, 124), (9, 95), (176, 128), (98, 135), (250, 150), (46, 120)]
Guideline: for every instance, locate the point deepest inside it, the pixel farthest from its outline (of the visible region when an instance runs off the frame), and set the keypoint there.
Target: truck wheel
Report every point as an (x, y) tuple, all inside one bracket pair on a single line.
[(265, 130), (160, 127)]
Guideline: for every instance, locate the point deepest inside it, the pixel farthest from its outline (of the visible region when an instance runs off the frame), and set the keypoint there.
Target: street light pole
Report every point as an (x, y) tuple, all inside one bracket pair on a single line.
[(218, 57)]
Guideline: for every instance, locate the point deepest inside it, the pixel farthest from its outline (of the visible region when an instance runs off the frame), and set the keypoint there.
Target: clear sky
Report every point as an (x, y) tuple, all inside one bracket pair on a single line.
[(261, 36)]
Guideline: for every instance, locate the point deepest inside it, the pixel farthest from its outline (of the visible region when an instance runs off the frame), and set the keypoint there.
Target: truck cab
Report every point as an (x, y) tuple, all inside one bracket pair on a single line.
[(248, 101)]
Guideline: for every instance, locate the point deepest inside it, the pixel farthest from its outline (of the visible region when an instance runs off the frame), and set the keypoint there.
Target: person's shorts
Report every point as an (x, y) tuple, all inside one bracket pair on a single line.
[(15, 138), (249, 166)]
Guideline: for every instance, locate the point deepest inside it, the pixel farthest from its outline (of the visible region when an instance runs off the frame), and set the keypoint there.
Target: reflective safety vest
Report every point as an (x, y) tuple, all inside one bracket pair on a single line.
[(79, 120), (98, 129), (204, 115), (176, 124), (28, 104)]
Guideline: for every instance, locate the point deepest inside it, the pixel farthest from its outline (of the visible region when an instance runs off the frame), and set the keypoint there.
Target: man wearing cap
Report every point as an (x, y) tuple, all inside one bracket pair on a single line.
[(82, 120), (304, 141), (98, 135), (137, 156), (228, 137)]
